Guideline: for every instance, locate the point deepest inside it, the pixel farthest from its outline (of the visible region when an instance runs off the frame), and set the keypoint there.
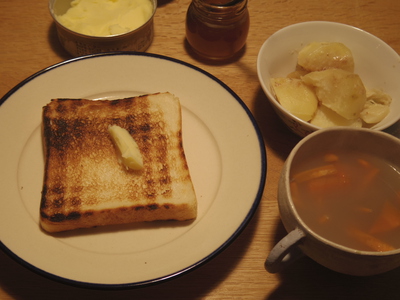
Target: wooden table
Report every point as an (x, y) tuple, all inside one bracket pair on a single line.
[(28, 43)]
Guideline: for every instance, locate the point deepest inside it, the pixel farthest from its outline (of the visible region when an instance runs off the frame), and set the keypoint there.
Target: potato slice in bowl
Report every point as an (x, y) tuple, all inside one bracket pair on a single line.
[(340, 90), (325, 117), (295, 96), (319, 56)]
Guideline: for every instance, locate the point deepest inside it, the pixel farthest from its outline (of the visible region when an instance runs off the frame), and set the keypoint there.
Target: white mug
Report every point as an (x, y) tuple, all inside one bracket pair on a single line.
[(301, 240)]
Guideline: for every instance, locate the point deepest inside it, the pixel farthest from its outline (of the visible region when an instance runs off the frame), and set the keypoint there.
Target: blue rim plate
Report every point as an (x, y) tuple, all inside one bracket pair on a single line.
[(224, 149)]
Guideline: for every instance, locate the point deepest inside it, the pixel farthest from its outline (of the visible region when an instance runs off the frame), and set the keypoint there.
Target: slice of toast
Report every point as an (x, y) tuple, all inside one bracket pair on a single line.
[(85, 185)]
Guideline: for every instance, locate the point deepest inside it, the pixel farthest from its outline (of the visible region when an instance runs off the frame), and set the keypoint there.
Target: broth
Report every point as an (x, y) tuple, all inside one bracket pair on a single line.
[(350, 198)]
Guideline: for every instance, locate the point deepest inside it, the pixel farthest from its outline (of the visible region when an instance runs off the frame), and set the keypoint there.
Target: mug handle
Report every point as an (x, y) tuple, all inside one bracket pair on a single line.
[(285, 252)]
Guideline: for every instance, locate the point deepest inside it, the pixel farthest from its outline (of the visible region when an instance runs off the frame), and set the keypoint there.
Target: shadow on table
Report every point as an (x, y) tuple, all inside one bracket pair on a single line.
[(305, 279), (161, 3), (277, 136), (55, 43), (21, 283)]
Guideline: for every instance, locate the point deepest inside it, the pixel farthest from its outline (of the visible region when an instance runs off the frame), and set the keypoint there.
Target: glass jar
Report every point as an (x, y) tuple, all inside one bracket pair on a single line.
[(217, 29)]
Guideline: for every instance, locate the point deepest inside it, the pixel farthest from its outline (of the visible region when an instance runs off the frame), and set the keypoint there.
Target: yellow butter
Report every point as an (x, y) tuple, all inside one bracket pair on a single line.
[(106, 17), (127, 146)]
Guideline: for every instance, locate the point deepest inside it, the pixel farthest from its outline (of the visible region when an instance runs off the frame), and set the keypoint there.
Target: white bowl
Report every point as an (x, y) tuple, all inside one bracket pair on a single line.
[(376, 63)]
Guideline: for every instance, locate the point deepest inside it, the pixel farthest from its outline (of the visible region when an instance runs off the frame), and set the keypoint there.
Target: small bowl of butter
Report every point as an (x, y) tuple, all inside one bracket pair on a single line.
[(95, 26)]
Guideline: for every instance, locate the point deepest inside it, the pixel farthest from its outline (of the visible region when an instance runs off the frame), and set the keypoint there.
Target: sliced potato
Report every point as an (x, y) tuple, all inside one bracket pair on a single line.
[(339, 90), (318, 56), (325, 117), (374, 112), (298, 73), (295, 96), (377, 106), (379, 96)]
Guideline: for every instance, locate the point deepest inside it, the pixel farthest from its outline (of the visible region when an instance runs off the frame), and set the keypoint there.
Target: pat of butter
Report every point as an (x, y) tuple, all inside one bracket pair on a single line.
[(106, 17), (127, 146)]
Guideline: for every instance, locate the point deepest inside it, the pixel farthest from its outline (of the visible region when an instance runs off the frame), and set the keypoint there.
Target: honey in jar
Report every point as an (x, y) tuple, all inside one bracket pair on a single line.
[(217, 29)]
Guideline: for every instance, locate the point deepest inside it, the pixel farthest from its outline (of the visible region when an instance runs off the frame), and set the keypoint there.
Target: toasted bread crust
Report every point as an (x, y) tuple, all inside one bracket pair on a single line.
[(84, 183)]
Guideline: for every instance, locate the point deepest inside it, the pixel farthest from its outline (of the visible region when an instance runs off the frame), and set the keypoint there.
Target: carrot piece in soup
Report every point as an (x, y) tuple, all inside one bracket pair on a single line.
[(363, 209), (369, 177), (388, 219), (315, 173), (364, 163), (323, 219), (371, 172), (330, 157), (327, 184), (369, 241)]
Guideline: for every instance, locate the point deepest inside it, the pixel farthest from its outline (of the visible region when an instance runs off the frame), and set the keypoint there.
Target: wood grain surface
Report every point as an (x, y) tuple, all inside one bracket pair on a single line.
[(28, 43)]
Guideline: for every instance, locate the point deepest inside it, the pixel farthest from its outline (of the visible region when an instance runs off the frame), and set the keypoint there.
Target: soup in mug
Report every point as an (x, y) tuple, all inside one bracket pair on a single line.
[(350, 198)]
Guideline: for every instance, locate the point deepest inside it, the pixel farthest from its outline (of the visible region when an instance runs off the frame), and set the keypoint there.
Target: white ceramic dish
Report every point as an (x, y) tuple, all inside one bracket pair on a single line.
[(225, 153), (377, 64)]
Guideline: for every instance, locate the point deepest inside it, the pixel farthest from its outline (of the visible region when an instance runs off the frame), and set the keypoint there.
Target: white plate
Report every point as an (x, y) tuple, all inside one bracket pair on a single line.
[(225, 153)]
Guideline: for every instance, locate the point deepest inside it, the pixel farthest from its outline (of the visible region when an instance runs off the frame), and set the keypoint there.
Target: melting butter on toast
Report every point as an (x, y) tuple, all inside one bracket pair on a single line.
[(85, 185)]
